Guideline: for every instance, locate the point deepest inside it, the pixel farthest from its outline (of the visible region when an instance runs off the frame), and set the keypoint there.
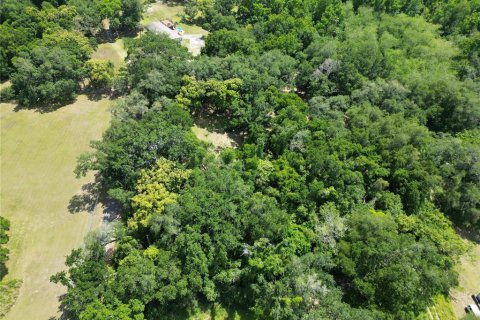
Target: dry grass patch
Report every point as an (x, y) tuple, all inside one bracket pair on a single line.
[(38, 154), (219, 141)]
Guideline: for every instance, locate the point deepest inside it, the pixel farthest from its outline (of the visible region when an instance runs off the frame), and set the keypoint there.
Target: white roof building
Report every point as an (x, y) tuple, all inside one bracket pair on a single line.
[(159, 27)]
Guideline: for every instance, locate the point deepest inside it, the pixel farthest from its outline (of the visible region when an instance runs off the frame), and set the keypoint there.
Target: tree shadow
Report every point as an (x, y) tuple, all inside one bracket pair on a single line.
[(44, 108), (3, 270), (86, 200), (469, 234), (172, 3), (110, 36), (62, 309), (217, 123), (96, 94), (111, 209)]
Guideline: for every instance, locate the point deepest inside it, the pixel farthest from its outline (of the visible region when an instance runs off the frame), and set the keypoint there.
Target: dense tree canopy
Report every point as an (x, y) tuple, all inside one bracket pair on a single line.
[(44, 45), (360, 141), (46, 76)]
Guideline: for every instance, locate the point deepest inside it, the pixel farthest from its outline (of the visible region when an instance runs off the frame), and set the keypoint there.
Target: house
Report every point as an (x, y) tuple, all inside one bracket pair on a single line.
[(160, 27), (169, 24)]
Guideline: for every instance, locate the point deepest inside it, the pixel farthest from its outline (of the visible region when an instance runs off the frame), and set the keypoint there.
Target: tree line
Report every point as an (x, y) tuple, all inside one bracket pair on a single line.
[(45, 47)]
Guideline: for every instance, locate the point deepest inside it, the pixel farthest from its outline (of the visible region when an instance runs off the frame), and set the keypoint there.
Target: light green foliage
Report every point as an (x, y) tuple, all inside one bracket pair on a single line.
[(72, 41), (218, 96), (156, 188), (111, 9), (53, 19), (100, 73), (431, 224)]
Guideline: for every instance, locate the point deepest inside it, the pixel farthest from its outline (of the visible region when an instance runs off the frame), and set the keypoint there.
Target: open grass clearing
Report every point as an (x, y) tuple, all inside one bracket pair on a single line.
[(114, 51), (209, 127), (218, 140), (38, 155), (5, 84)]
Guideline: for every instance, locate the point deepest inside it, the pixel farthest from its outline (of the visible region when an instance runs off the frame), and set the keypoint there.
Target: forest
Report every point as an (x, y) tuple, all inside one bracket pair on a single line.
[(359, 156)]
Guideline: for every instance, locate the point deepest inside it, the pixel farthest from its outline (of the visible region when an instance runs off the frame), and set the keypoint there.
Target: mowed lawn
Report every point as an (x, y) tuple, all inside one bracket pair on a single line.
[(38, 156), (114, 51)]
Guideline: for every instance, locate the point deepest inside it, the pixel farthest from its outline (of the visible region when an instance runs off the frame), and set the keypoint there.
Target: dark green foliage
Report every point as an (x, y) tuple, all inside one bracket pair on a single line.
[(88, 19), (132, 11), (12, 42), (391, 271), (224, 42), (157, 65), (46, 76), (4, 227)]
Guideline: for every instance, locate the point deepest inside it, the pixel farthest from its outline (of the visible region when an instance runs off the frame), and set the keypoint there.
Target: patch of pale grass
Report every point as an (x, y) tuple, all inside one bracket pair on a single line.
[(5, 84), (159, 11), (217, 140)]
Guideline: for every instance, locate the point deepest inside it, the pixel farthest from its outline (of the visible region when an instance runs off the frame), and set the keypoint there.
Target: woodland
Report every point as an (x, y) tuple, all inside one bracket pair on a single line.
[(359, 154)]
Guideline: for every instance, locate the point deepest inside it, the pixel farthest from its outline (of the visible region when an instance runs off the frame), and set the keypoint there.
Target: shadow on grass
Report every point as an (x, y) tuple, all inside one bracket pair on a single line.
[(204, 310), (173, 3), (108, 36), (86, 200), (471, 235), (218, 124), (44, 108), (96, 94), (65, 315)]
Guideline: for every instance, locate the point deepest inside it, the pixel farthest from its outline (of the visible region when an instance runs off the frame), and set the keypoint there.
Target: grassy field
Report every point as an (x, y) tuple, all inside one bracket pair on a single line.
[(469, 280), (38, 155), (114, 52), (159, 11)]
